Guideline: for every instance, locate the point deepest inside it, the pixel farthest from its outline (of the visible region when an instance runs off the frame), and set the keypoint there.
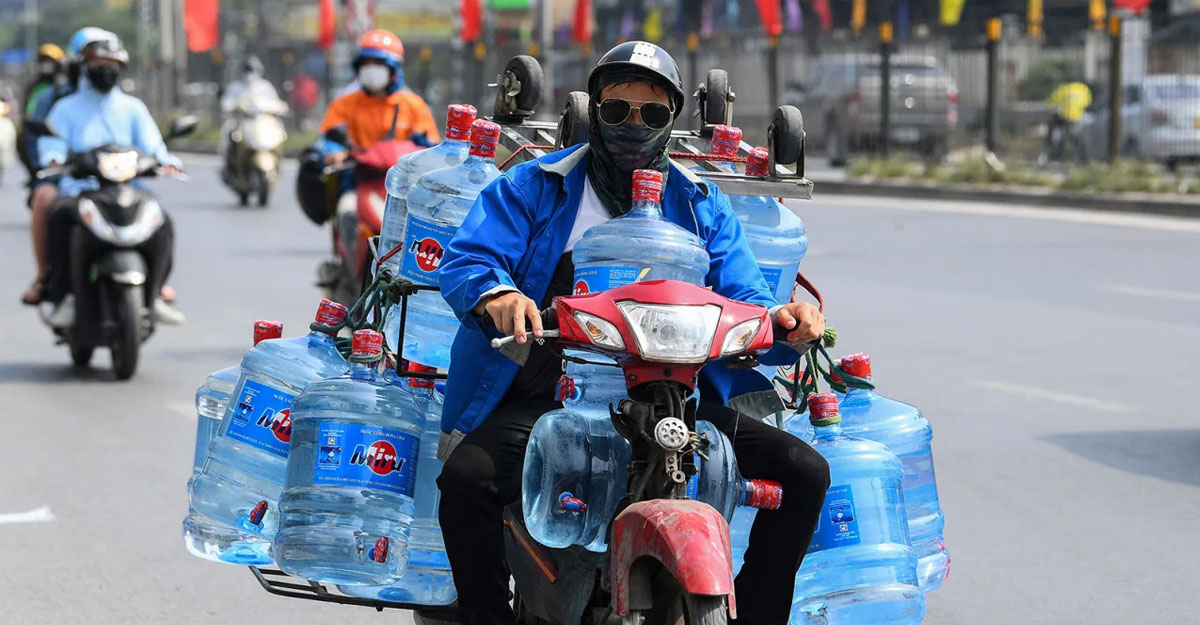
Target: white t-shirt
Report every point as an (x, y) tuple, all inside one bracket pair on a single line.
[(591, 212)]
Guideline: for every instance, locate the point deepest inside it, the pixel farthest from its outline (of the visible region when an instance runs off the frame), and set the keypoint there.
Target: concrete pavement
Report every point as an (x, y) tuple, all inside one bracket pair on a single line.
[(1052, 351)]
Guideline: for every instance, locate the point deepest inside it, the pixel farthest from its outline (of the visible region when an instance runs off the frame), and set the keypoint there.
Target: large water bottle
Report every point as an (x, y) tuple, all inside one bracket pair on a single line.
[(347, 505), (204, 538), (639, 245), (243, 474), (450, 152), (437, 205), (576, 464), (776, 234), (428, 579), (908, 434), (860, 567), (719, 483)]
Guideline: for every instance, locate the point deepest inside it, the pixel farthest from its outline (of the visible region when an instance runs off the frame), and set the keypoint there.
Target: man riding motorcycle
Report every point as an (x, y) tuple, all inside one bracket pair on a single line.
[(514, 252), (49, 77), (250, 88), (382, 108), (99, 112), (43, 192)]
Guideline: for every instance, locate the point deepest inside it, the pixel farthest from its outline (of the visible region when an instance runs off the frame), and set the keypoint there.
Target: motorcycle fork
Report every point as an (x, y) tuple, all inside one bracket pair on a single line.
[(651, 465)]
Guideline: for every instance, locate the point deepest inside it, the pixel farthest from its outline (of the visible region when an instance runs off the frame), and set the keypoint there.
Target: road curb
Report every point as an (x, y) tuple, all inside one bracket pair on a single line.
[(1146, 203)]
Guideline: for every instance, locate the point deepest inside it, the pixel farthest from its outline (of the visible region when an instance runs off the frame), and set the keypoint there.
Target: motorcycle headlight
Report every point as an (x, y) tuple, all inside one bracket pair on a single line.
[(739, 337), (671, 333), (601, 332), (264, 160), (118, 166), (148, 220)]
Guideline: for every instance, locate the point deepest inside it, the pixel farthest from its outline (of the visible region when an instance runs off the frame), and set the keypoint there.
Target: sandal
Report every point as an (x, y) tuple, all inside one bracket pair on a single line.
[(33, 295)]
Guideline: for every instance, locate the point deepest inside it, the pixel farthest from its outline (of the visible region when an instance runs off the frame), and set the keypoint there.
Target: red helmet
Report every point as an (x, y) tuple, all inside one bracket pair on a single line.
[(383, 45)]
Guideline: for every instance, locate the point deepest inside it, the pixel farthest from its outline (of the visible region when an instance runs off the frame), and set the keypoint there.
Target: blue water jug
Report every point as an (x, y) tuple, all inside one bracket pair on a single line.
[(639, 245), (908, 434), (437, 205), (428, 579), (401, 176), (202, 537), (859, 567), (243, 474), (347, 504)]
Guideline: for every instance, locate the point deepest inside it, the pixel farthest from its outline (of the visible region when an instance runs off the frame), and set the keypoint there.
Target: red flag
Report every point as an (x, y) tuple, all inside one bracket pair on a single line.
[(201, 24), (581, 28), (471, 12), (772, 21), (326, 25), (1136, 6), (824, 14)]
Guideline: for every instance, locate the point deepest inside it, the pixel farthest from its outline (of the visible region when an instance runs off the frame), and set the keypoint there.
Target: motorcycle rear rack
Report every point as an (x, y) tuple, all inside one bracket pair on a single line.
[(279, 583)]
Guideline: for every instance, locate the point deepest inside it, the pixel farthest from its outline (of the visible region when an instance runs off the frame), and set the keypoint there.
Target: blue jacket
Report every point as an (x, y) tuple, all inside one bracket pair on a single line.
[(514, 236), (87, 119)]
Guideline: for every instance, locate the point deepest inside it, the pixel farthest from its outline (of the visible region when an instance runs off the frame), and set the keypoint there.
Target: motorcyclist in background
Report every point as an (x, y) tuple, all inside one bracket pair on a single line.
[(514, 253), (99, 112), (382, 108), (49, 77), (251, 88), (43, 192)]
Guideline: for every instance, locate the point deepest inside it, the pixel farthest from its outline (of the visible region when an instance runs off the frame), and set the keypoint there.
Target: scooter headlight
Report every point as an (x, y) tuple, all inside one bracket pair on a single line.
[(672, 333), (602, 333), (739, 337), (118, 166)]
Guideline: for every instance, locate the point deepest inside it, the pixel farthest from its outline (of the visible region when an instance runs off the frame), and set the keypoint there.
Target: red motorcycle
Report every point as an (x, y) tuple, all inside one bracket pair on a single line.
[(668, 556), (358, 216)]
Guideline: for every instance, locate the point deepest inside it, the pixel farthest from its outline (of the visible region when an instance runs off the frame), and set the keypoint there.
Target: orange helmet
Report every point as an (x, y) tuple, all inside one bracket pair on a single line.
[(383, 45)]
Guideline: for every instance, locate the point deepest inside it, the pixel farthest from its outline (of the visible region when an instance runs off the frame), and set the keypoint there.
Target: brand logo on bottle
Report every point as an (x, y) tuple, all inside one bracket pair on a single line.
[(280, 424), (581, 288), (428, 253), (380, 457)]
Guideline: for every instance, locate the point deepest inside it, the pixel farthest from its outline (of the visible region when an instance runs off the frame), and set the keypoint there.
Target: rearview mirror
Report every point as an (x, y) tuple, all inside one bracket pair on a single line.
[(182, 126)]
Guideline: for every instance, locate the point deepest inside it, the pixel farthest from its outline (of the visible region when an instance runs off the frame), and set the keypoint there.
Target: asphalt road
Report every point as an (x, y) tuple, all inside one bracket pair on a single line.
[(1053, 351)]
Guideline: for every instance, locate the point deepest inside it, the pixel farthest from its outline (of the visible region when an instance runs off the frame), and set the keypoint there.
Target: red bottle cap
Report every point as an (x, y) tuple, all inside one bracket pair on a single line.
[(726, 140), (484, 137), (331, 313), (459, 118), (823, 409), (758, 163), (367, 344), (264, 330), (857, 365), (764, 494), (647, 185), (416, 367)]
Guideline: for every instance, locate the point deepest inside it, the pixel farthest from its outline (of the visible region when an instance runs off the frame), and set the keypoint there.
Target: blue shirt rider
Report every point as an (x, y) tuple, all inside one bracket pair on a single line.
[(506, 257)]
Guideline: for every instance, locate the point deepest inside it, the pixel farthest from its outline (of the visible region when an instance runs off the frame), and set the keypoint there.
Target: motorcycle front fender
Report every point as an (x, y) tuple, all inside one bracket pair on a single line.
[(689, 539), (121, 267)]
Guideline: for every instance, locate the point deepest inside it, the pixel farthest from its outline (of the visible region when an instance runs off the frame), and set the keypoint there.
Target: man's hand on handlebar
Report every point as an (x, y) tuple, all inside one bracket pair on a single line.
[(805, 322), (335, 158), (509, 311)]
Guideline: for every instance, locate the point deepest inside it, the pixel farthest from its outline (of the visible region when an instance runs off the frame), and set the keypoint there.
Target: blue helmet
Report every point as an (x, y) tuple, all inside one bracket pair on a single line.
[(88, 35)]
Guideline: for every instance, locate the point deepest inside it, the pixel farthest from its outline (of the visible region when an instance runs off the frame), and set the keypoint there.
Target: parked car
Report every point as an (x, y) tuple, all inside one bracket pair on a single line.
[(1160, 121), (841, 102)]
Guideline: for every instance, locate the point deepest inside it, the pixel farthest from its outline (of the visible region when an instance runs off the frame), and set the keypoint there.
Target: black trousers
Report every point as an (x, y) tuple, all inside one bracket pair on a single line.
[(483, 475), (158, 251)]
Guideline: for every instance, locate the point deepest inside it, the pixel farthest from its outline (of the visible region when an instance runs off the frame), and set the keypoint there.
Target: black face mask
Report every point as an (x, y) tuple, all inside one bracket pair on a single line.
[(103, 77), (619, 149)]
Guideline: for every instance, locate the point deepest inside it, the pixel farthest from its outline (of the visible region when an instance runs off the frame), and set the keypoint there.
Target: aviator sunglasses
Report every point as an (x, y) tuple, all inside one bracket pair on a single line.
[(614, 111)]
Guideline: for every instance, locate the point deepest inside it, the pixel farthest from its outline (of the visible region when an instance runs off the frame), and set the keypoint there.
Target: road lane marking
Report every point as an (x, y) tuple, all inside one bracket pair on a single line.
[(1031, 392), (1072, 215), (1124, 289), (37, 515)]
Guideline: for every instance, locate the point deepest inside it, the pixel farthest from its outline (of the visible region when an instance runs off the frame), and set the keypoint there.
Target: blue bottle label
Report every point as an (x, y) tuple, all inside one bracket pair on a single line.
[(918, 471), (773, 276), (424, 246), (262, 417), (837, 527), (351, 454), (596, 279)]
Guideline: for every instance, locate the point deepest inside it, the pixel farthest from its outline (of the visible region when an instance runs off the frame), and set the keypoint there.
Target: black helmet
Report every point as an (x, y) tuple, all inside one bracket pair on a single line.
[(644, 59), (251, 65)]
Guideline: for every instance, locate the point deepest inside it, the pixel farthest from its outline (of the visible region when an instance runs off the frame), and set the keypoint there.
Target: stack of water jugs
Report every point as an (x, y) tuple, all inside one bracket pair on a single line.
[(329, 468)]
